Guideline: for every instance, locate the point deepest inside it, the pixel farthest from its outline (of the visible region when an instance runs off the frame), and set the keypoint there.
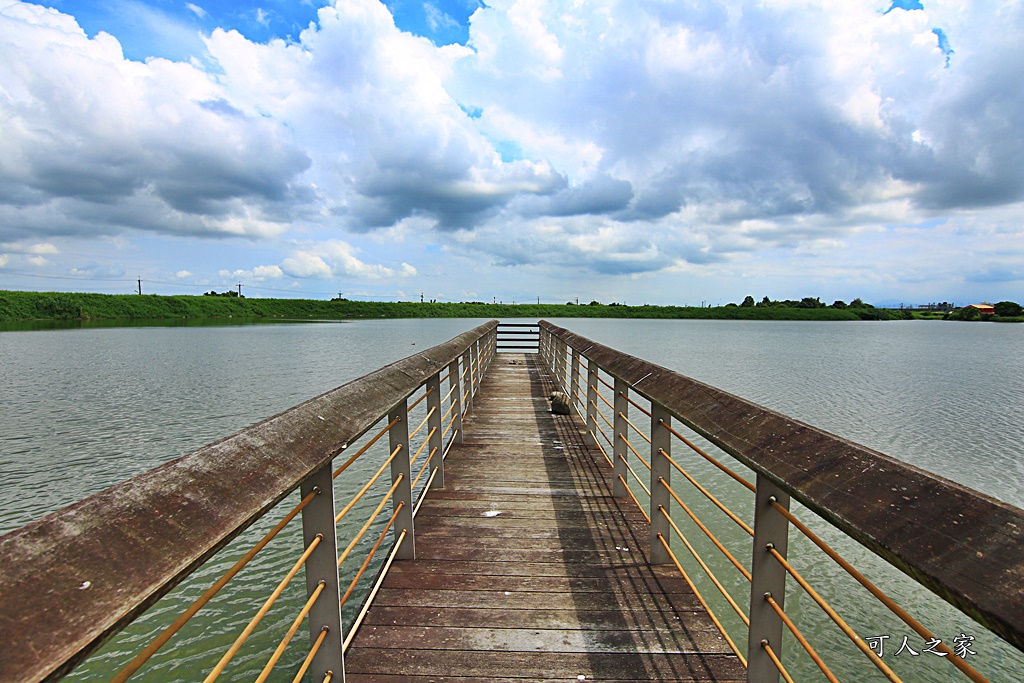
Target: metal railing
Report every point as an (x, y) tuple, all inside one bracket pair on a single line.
[(962, 545), (72, 580), (518, 338)]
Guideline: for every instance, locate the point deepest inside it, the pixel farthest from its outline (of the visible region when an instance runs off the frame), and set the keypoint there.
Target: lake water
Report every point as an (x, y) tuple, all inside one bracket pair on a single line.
[(86, 408)]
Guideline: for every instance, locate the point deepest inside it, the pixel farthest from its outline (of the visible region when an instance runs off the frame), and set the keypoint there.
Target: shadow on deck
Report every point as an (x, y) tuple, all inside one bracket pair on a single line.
[(529, 569)]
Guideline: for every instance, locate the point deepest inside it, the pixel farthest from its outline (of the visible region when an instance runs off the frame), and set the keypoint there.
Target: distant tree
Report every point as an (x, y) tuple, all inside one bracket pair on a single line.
[(594, 303), (839, 303), (765, 302), (731, 305), (808, 302), (748, 302), (857, 303), (1007, 309)]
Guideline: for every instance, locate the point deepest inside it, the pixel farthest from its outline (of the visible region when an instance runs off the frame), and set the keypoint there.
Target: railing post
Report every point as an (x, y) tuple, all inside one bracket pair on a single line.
[(467, 369), (474, 366), (455, 384), (591, 435), (563, 350), (435, 445), (398, 436), (481, 363), (661, 469), (769, 577), (619, 438), (492, 348), (322, 567), (574, 381)]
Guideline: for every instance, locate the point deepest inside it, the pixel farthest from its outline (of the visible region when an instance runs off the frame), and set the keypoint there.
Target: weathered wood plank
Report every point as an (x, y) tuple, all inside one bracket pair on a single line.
[(533, 666), (529, 569), (540, 618), (518, 639)]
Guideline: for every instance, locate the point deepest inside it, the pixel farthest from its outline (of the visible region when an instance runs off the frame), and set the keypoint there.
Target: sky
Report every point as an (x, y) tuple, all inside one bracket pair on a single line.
[(633, 151)]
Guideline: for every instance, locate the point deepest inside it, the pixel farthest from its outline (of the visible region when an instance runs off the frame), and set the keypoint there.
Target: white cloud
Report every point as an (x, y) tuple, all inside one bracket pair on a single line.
[(438, 18), (619, 137), (257, 274), (305, 264), (30, 247), (106, 143), (335, 258), (196, 10), (183, 274)]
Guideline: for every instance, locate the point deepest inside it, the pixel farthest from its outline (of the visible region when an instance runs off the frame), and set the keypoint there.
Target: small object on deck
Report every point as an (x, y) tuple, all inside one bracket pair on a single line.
[(559, 403)]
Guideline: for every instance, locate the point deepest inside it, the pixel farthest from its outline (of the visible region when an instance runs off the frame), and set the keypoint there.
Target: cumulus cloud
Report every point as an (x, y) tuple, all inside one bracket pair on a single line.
[(94, 143), (337, 258), (721, 115), (623, 137), (257, 274)]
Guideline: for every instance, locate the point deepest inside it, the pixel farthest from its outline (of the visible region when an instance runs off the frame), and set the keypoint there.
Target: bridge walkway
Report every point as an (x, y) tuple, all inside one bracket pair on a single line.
[(529, 569)]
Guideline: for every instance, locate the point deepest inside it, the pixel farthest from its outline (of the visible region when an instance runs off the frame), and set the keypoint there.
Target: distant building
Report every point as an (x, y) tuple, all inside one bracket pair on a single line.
[(984, 309)]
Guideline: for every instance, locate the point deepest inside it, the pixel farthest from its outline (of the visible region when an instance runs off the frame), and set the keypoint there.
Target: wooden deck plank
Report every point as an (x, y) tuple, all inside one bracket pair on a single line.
[(529, 569)]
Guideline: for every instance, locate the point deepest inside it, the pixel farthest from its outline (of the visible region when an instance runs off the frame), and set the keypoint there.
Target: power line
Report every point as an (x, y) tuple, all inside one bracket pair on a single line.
[(63, 277)]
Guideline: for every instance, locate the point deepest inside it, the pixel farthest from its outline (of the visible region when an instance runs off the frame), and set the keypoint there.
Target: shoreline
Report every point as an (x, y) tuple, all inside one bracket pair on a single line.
[(17, 306)]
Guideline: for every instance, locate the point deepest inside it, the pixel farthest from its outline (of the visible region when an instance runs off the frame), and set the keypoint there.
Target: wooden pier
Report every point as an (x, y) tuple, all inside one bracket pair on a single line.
[(527, 568), (522, 563)]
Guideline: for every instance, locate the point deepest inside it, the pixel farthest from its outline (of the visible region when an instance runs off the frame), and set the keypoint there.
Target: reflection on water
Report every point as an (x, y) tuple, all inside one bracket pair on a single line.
[(87, 407)]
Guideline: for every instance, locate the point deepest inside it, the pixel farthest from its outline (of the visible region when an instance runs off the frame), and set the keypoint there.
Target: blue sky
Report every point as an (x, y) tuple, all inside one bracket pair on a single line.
[(640, 151)]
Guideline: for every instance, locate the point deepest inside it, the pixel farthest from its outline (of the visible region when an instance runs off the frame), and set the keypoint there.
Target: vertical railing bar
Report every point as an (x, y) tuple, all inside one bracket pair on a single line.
[(619, 438), (661, 470), (322, 567), (591, 435), (771, 529), (467, 371), (434, 428), (456, 398), (563, 350), (400, 467), (574, 379)]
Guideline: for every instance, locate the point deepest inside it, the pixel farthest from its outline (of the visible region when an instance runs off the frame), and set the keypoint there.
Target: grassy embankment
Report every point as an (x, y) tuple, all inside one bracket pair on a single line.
[(84, 306)]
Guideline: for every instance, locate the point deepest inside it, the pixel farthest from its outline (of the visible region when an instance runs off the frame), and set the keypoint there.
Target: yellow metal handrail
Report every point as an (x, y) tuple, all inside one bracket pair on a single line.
[(251, 626)]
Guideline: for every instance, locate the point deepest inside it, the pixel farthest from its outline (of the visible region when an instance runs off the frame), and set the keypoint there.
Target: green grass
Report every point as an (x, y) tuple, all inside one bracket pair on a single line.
[(84, 306)]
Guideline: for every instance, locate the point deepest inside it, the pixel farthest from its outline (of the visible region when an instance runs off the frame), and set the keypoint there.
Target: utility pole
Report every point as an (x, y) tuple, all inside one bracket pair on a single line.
[(577, 301), (538, 301), (140, 286), (239, 290), (421, 297)]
